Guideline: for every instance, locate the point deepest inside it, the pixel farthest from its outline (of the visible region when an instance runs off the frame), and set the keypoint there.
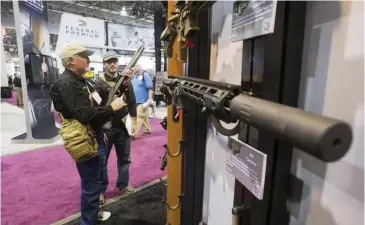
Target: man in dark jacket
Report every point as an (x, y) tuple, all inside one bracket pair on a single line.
[(118, 134), (74, 98)]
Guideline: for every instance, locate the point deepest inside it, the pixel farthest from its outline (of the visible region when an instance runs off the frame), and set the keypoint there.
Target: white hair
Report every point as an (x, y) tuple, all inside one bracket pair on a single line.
[(66, 62)]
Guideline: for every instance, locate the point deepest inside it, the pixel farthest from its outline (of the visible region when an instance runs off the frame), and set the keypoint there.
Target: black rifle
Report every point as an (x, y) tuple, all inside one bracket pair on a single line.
[(164, 158), (325, 138)]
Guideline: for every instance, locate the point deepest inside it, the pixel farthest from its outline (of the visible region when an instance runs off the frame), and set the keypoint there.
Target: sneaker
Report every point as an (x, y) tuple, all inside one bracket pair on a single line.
[(128, 190), (104, 216), (101, 199)]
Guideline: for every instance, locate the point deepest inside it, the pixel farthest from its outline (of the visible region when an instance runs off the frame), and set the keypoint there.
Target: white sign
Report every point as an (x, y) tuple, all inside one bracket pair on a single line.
[(83, 30), (248, 165), (252, 18), (130, 37)]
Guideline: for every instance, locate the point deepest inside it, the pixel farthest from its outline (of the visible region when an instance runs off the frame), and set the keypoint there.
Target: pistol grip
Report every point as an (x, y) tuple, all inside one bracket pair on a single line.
[(107, 125), (191, 25)]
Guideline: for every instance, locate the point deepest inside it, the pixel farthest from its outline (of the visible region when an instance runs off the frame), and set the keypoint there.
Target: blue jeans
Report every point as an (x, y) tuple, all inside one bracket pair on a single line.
[(120, 138), (91, 174)]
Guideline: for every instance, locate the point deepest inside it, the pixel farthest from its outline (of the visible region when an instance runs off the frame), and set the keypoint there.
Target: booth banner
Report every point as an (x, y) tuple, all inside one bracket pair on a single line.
[(87, 31), (131, 38), (37, 77), (40, 74)]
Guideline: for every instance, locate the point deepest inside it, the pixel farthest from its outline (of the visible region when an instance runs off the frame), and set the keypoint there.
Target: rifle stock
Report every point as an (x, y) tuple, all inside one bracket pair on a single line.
[(325, 138)]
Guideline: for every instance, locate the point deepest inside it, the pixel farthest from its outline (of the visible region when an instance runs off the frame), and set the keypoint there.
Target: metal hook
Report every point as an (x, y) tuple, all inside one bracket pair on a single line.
[(175, 207), (237, 212), (178, 152)]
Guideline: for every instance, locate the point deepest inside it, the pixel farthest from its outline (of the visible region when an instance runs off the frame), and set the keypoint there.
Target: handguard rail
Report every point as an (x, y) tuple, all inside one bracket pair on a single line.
[(325, 138)]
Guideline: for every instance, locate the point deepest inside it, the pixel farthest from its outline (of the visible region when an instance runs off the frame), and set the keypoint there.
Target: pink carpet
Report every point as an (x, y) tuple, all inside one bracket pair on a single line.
[(43, 186)]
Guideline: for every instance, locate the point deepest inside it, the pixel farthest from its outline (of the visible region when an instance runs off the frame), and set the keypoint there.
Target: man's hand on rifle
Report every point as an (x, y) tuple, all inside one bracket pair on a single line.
[(118, 103), (128, 75)]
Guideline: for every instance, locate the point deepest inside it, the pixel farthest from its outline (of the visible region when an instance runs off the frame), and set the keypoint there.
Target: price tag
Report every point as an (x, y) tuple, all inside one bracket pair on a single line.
[(95, 95), (248, 165)]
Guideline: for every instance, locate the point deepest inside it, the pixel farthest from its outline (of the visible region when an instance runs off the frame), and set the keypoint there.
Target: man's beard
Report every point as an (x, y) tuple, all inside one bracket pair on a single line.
[(112, 74)]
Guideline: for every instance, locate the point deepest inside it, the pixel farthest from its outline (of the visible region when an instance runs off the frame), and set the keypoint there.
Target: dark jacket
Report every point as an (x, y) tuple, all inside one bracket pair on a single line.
[(71, 98), (130, 99)]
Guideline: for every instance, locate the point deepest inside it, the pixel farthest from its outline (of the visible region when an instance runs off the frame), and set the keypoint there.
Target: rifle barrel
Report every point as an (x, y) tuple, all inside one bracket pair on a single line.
[(120, 82), (325, 138)]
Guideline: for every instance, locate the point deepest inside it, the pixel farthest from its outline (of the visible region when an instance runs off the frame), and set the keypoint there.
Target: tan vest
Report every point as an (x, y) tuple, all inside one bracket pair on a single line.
[(112, 84)]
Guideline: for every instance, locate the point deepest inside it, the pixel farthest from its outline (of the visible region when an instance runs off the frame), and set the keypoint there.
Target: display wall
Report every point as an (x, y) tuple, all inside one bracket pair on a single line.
[(38, 72), (334, 46), (333, 85), (226, 61)]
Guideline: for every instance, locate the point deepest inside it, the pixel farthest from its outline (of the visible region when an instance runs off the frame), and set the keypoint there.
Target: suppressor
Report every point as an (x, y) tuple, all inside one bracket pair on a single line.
[(325, 138)]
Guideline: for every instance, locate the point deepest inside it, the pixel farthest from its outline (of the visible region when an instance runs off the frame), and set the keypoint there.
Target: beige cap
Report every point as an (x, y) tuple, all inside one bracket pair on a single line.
[(75, 49)]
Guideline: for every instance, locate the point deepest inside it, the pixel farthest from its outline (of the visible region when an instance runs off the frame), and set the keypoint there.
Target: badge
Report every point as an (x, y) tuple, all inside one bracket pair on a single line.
[(140, 77), (95, 95)]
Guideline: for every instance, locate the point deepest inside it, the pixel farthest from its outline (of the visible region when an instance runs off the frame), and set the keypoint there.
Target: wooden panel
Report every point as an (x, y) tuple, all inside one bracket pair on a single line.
[(174, 134)]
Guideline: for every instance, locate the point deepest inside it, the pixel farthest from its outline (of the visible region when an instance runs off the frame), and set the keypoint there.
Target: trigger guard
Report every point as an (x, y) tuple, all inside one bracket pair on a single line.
[(117, 93), (176, 98)]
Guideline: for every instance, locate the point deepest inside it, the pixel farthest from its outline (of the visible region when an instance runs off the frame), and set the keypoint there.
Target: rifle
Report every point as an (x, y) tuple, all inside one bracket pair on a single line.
[(325, 138), (164, 157), (182, 24), (119, 88)]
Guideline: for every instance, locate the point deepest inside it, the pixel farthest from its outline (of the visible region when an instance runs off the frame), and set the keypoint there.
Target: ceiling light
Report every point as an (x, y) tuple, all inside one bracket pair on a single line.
[(123, 12)]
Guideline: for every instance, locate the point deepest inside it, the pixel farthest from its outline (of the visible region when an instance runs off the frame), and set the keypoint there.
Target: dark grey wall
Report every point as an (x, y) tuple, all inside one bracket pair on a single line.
[(333, 85)]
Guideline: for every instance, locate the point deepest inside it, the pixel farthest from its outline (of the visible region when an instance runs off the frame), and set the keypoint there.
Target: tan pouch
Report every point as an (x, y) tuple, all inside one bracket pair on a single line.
[(78, 139)]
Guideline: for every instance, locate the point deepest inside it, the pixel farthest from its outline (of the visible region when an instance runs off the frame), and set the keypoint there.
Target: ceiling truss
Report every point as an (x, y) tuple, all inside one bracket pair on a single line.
[(137, 12)]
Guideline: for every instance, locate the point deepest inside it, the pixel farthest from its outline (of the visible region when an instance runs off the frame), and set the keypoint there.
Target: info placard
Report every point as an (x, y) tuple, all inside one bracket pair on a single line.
[(248, 165), (252, 18)]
